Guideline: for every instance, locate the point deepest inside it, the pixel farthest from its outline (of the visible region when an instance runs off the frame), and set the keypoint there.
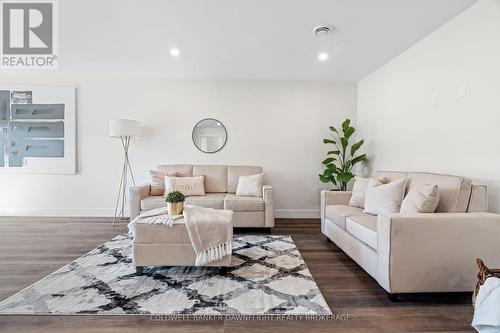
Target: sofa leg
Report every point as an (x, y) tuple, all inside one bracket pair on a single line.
[(392, 297), (328, 240), (139, 270), (267, 230)]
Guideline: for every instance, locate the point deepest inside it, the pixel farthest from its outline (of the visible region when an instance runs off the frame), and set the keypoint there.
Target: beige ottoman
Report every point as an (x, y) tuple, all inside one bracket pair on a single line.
[(161, 245)]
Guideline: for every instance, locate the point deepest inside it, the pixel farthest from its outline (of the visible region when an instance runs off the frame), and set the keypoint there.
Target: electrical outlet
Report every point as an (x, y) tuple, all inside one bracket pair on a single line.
[(435, 100)]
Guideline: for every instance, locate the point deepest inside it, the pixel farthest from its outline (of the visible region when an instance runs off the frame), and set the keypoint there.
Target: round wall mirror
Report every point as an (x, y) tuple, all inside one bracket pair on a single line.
[(209, 135)]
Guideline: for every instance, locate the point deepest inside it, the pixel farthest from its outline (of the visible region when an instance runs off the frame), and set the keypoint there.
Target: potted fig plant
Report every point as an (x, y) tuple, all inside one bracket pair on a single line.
[(175, 202), (340, 161)]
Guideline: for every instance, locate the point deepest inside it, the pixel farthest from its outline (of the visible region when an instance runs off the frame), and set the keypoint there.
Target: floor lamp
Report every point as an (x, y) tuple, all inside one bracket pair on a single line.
[(124, 129)]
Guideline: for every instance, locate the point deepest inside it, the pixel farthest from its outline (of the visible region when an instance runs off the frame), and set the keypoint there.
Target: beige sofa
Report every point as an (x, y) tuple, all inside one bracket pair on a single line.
[(418, 252), (220, 187)]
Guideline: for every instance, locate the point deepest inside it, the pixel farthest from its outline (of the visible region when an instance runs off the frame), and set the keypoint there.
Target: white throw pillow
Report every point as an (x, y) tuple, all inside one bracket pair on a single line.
[(250, 186), (384, 199), (421, 199), (158, 181), (187, 185), (359, 192)]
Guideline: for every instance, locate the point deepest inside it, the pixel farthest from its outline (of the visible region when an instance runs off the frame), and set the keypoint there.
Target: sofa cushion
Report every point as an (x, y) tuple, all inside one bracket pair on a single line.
[(338, 213), (243, 204), (478, 198), (250, 186), (359, 192), (182, 170), (215, 177), (454, 191), (158, 181), (384, 199), (153, 202), (234, 173), (187, 185), (421, 199), (363, 228), (211, 200)]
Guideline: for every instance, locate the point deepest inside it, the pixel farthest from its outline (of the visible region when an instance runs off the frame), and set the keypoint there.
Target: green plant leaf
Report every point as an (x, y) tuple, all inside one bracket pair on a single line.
[(333, 129), (328, 160), (174, 196), (346, 124), (331, 166), (331, 179), (344, 176), (336, 171), (358, 159), (324, 179), (333, 152), (328, 141), (344, 142), (348, 132), (327, 179), (356, 146)]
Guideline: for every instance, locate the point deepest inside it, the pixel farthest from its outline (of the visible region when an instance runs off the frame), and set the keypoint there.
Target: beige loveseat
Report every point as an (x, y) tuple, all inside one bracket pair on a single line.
[(409, 253), (220, 187)]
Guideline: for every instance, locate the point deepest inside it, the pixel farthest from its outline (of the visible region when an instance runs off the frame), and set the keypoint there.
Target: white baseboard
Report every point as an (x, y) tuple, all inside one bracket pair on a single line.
[(297, 213), (63, 212), (108, 212)]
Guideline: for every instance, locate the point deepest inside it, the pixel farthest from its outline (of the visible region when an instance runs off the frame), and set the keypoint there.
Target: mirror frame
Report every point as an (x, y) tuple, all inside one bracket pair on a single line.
[(225, 139)]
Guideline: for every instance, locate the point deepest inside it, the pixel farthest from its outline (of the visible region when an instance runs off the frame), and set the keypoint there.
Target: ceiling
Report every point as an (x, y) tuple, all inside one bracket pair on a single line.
[(242, 39)]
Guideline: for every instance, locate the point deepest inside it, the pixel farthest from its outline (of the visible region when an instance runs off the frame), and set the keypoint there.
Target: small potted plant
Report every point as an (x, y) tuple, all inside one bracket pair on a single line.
[(175, 202)]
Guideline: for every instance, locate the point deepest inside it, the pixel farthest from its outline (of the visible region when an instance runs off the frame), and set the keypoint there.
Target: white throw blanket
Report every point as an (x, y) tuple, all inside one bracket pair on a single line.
[(210, 230), (154, 216), (487, 308)]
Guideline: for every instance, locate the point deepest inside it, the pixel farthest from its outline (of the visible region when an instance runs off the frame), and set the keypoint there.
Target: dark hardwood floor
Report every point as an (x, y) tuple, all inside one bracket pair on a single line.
[(31, 248)]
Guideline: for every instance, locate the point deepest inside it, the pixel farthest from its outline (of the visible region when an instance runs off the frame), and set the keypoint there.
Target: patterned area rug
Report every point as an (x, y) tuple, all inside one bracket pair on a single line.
[(268, 276)]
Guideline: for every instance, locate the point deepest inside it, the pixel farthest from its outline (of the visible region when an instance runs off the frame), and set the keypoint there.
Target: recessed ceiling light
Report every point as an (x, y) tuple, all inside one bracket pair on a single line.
[(321, 31), (175, 52), (322, 56)]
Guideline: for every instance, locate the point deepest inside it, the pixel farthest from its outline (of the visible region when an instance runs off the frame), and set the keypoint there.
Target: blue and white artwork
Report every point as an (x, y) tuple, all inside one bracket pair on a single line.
[(37, 129)]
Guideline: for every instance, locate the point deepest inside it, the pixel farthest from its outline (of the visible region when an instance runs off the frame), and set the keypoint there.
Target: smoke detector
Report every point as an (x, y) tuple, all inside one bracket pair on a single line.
[(322, 31)]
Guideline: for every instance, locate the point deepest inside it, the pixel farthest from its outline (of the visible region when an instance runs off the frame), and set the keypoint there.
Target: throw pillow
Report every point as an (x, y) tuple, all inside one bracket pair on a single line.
[(158, 181), (421, 199), (250, 185), (384, 199), (358, 192), (186, 185)]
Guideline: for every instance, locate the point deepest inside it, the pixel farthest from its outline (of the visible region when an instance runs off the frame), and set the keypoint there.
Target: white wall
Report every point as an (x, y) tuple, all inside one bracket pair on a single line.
[(460, 135), (274, 124)]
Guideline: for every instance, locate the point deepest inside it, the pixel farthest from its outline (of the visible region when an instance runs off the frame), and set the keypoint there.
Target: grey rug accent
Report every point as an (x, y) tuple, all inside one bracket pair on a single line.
[(267, 276)]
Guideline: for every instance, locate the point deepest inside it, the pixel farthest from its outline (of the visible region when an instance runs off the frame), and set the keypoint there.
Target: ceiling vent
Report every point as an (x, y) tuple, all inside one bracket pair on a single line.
[(322, 31)]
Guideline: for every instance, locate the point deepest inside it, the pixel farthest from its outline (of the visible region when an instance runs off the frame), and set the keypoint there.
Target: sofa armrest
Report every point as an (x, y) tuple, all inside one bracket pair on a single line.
[(435, 252), (137, 193), (268, 196), (328, 198)]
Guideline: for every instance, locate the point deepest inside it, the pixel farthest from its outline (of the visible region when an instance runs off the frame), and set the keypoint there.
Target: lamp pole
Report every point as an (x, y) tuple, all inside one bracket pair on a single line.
[(124, 129), (121, 198)]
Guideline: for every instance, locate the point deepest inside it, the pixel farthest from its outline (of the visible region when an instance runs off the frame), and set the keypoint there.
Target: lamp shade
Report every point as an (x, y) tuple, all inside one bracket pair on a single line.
[(124, 127)]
